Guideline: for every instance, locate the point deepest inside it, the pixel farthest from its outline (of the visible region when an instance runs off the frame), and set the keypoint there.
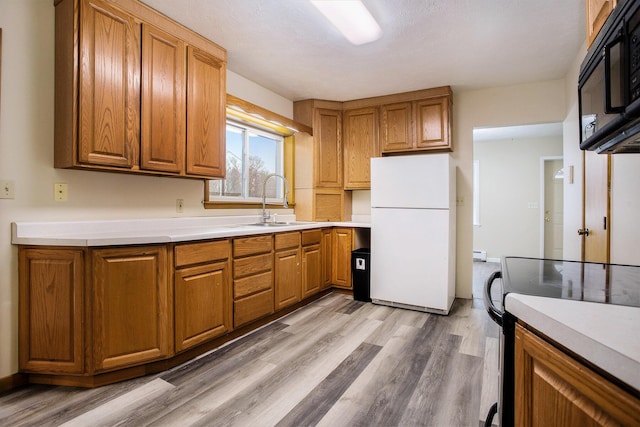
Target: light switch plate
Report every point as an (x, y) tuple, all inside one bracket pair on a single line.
[(7, 189)]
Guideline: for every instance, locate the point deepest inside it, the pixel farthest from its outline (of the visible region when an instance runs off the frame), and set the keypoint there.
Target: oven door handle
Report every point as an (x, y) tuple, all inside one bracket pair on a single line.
[(493, 311)]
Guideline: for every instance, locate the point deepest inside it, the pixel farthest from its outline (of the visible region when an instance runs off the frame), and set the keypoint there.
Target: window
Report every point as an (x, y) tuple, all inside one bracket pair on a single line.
[(252, 155)]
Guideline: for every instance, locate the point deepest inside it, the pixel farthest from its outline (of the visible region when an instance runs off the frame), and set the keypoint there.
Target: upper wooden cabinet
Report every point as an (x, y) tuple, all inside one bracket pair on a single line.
[(396, 127), (151, 93), (327, 125), (421, 125), (597, 13), (163, 101), (360, 145)]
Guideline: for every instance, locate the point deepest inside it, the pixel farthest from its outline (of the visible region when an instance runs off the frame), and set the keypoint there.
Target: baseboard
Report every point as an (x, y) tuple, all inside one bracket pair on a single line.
[(12, 381), (493, 259)]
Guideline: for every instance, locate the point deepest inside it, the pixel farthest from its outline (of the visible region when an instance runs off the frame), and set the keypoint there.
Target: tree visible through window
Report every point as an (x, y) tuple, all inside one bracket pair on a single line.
[(252, 155)]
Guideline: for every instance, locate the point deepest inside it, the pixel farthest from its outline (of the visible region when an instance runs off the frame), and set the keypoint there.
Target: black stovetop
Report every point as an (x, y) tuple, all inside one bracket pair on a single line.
[(581, 281)]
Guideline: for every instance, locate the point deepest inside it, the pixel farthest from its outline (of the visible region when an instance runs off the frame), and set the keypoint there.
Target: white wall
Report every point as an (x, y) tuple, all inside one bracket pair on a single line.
[(510, 194), (26, 156)]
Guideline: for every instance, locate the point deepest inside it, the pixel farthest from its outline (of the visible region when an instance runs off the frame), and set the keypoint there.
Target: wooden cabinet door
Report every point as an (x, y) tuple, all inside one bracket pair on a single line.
[(206, 114), (163, 134), (597, 13), (287, 278), (360, 145), (311, 270), (432, 124), (109, 101), (326, 257), (341, 257), (51, 310), (553, 389), (396, 127), (202, 304), (131, 311), (327, 133)]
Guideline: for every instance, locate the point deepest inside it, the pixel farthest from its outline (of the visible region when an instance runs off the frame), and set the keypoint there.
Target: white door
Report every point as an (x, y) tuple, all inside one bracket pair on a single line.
[(553, 209)]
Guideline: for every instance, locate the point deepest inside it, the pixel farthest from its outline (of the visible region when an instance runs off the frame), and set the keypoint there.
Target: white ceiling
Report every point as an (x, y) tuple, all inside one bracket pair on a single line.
[(288, 47)]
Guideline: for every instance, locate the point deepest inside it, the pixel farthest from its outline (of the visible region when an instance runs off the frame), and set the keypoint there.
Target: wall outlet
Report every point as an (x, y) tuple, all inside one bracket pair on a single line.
[(179, 205), (7, 189), (60, 192), (460, 201)]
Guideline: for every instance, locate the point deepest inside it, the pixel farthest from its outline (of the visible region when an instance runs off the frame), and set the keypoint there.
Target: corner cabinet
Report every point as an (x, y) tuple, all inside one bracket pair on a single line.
[(342, 245), (151, 94), (553, 388)]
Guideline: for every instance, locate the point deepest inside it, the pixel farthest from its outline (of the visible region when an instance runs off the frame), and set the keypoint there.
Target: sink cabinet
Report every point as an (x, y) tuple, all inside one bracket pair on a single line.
[(136, 92), (311, 262), (287, 269)]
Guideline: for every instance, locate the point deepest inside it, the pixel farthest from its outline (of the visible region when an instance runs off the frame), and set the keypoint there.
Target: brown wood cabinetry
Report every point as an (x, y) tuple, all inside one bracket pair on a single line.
[(327, 250), (553, 388), (342, 245), (421, 125), (202, 292), (163, 101), (327, 131), (148, 91), (287, 269), (396, 127), (360, 145), (311, 262), (252, 278), (597, 13), (51, 316), (131, 311)]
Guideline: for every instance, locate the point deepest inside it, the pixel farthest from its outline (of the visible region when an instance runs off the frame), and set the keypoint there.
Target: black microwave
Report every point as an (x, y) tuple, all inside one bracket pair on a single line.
[(609, 85)]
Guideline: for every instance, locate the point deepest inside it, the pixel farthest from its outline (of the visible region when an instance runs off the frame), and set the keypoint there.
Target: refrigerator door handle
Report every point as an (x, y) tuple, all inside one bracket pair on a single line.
[(493, 311)]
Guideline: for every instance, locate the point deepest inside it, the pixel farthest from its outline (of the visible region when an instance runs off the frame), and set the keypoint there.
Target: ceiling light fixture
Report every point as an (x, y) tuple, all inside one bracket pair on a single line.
[(351, 18)]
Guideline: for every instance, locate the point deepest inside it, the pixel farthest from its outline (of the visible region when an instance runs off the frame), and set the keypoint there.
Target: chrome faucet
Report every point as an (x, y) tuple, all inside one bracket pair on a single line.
[(285, 204)]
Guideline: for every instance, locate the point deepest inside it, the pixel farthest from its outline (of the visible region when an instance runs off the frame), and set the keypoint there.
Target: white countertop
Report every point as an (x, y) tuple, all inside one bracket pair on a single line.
[(158, 230), (606, 335)]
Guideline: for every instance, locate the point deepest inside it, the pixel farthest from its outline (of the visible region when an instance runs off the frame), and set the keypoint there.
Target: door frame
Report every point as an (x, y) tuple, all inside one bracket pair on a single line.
[(544, 159)]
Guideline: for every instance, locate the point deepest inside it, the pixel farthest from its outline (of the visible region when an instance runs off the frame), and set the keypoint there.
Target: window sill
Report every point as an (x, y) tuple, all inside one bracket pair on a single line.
[(242, 205)]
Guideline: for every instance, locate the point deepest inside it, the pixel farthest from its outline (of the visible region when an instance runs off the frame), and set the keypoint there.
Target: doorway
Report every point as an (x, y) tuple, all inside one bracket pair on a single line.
[(552, 178), (510, 199)]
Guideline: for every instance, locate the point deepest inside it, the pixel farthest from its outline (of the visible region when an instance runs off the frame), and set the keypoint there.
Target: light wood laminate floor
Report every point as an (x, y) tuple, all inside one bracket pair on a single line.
[(335, 362)]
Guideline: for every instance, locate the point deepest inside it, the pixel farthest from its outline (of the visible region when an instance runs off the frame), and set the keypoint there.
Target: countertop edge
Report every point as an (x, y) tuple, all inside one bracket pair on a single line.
[(578, 326), (152, 231)]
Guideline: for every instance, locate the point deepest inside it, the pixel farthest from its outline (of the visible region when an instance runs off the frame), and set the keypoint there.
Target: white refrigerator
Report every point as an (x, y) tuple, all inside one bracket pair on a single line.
[(413, 232)]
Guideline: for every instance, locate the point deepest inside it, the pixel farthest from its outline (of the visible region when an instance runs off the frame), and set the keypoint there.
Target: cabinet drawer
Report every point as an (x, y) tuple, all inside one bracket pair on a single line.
[(252, 245), (252, 284), (311, 237), (252, 265), (287, 240), (252, 307), (198, 253)]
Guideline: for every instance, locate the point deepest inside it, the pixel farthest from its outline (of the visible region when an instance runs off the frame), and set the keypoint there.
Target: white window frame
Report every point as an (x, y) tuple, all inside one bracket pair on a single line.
[(249, 130)]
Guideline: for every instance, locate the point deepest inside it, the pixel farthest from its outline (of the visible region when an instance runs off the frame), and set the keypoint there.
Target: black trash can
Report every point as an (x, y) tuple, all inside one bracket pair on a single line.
[(361, 274)]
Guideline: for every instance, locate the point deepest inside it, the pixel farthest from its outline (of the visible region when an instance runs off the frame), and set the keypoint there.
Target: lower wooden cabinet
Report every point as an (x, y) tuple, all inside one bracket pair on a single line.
[(554, 389), (342, 245), (202, 293), (51, 310), (131, 311), (95, 315), (287, 269), (312, 280), (252, 278)]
